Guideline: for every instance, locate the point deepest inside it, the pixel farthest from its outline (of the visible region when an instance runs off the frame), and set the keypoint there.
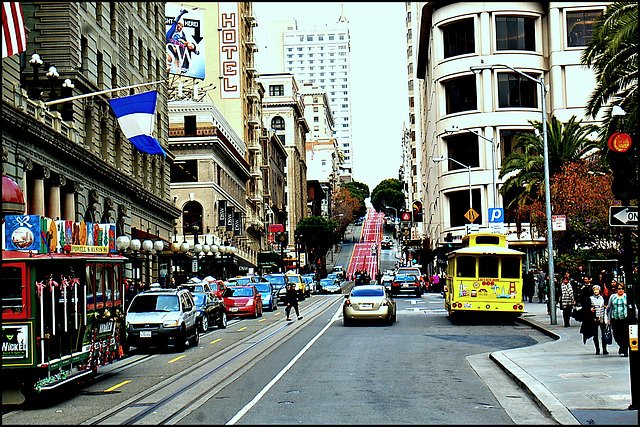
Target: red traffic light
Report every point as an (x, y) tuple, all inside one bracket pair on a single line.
[(619, 142)]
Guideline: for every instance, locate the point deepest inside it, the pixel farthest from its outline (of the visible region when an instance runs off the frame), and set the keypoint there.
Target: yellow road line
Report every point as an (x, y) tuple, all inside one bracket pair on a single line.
[(177, 358), (117, 385), (277, 314), (215, 341), (242, 329), (261, 320)]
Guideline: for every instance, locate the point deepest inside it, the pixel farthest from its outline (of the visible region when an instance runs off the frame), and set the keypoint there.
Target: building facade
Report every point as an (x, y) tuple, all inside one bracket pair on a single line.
[(283, 113), (72, 160), (540, 39)]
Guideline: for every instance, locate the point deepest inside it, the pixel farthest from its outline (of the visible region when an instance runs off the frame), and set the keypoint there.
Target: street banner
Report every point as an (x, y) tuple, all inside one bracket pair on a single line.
[(222, 213)]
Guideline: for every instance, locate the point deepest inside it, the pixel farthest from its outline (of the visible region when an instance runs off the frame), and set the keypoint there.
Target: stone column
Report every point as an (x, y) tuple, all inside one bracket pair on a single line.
[(69, 213), (38, 197), (54, 197)]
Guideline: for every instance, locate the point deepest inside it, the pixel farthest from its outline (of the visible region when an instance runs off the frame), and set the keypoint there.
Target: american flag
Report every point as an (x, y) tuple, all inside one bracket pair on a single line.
[(14, 36)]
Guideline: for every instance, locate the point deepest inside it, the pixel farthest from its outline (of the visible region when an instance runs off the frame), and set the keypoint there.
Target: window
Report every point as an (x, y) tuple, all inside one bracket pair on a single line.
[(511, 268), (309, 38), (580, 27), (277, 123), (191, 215), (488, 266), (515, 33), (14, 294), (459, 205), (276, 90), (508, 142), (460, 94), (464, 148), (458, 38), (184, 171), (515, 90), (466, 266), (190, 127)]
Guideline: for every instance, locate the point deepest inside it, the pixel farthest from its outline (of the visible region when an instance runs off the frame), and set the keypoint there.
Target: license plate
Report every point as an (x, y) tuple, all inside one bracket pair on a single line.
[(406, 286), (234, 309), (366, 306), (145, 334)]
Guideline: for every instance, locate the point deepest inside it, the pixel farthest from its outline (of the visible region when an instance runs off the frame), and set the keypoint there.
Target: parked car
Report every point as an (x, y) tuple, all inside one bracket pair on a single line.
[(386, 281), (243, 301), (368, 302), (406, 283), (217, 286), (211, 311), (197, 285), (309, 280), (301, 287), (162, 316), (386, 243), (243, 280), (268, 294), (340, 271), (330, 286)]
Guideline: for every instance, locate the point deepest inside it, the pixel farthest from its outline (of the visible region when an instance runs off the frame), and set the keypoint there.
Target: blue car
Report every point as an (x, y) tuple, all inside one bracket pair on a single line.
[(269, 295)]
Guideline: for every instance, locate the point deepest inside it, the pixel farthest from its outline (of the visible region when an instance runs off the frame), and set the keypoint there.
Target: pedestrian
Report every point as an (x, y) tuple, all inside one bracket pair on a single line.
[(542, 286), (616, 316), (609, 289), (585, 291), (291, 298), (529, 286), (435, 282), (593, 321), (566, 300)]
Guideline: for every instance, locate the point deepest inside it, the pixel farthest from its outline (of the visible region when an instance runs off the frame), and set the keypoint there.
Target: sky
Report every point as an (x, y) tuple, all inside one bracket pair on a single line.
[(379, 95)]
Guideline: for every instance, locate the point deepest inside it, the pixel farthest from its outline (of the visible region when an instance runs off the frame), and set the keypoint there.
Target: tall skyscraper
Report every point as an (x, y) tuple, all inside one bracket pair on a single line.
[(321, 56)]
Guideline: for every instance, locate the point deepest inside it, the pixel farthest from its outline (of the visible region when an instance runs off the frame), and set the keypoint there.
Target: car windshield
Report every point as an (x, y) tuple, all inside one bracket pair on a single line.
[(276, 280), (200, 299), (369, 292), (148, 303), (243, 280), (406, 277), (195, 288), (294, 279), (262, 287), (241, 292)]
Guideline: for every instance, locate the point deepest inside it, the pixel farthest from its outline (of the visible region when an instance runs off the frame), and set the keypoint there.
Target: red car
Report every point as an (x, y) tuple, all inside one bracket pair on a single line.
[(243, 301), (217, 286)]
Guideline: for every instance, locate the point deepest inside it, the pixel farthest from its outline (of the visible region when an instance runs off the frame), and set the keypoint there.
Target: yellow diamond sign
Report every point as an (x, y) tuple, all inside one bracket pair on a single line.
[(471, 215)]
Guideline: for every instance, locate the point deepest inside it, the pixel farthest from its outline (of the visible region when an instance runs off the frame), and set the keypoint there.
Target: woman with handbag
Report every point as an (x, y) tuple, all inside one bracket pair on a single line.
[(593, 320), (616, 316)]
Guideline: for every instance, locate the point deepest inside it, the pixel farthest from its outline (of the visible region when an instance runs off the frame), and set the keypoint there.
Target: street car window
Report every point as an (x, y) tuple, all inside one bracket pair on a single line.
[(511, 267), (367, 292), (466, 266), (488, 266)]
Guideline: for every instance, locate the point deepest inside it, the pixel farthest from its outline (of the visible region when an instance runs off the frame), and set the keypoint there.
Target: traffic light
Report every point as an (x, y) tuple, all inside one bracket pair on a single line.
[(622, 161)]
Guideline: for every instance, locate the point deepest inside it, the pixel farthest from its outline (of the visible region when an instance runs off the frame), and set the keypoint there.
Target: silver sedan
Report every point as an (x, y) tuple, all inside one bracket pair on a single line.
[(368, 302)]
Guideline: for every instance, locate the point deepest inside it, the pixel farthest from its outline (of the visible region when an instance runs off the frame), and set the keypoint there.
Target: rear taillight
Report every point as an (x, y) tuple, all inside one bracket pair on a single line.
[(347, 303)]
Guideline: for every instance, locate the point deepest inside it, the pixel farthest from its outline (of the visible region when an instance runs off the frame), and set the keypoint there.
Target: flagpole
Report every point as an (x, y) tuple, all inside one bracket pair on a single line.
[(86, 95)]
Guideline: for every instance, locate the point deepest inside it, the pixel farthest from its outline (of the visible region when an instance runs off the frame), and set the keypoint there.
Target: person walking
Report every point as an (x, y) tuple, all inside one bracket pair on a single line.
[(593, 321), (616, 316), (529, 286), (542, 286), (291, 298), (566, 300)]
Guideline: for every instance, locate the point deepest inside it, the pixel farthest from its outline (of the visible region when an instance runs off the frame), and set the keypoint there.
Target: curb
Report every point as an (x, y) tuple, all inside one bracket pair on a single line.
[(534, 388)]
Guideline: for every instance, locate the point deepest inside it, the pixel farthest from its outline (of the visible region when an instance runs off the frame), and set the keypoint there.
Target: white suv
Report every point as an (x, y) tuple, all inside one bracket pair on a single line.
[(162, 316)]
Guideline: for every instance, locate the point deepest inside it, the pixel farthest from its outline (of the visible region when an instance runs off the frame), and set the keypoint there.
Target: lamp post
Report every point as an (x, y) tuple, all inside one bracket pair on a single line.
[(440, 159), (36, 62), (547, 191), (454, 129), (197, 249)]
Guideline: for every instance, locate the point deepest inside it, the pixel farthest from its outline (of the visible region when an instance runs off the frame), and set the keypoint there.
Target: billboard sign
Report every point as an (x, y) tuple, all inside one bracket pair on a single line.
[(185, 41), (229, 54)]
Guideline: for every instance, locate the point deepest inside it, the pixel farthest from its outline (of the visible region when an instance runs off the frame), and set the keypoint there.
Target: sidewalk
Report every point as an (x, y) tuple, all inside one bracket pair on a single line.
[(566, 378)]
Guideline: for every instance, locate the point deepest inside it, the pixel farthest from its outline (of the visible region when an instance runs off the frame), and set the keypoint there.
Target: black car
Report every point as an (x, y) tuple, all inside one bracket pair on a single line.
[(211, 311)]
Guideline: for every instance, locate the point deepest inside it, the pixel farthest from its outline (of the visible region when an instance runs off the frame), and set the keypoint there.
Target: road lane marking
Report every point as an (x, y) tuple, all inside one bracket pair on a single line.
[(215, 341), (242, 329), (176, 359), (117, 386), (261, 320), (284, 370)]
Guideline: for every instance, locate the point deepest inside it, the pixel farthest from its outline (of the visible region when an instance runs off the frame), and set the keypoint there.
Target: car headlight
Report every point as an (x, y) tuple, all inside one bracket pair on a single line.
[(170, 324)]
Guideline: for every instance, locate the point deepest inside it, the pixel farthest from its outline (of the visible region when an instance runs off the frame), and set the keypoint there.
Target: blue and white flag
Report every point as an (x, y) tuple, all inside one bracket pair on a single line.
[(136, 115)]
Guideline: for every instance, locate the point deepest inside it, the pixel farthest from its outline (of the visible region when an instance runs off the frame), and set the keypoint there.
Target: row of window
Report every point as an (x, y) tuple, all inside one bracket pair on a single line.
[(320, 37), (515, 32)]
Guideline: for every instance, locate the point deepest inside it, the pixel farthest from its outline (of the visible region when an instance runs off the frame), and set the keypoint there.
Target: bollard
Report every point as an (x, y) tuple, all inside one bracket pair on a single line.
[(633, 364)]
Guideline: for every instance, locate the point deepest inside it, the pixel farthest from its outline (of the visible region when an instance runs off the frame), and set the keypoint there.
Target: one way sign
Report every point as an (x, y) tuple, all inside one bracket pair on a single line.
[(623, 216)]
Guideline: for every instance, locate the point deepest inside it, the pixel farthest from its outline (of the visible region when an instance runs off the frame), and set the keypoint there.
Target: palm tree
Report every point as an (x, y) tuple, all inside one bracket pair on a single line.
[(525, 169), (613, 54)]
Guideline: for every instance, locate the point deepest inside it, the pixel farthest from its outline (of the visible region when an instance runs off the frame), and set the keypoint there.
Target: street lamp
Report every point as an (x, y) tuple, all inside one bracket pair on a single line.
[(441, 159), (547, 191), (455, 129)]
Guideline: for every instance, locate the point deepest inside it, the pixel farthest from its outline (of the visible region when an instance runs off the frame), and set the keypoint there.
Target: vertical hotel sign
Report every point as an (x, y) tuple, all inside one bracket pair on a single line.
[(228, 27)]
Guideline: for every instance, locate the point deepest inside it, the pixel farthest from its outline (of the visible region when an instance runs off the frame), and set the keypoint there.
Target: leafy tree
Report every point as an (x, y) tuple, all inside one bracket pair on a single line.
[(388, 193), (360, 191), (524, 167), (318, 234), (582, 192), (345, 209), (613, 54)]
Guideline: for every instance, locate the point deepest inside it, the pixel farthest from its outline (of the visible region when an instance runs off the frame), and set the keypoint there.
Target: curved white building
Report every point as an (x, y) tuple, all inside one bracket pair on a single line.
[(489, 105)]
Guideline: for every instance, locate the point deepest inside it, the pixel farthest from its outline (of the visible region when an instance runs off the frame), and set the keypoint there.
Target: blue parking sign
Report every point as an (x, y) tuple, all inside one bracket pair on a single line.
[(496, 215)]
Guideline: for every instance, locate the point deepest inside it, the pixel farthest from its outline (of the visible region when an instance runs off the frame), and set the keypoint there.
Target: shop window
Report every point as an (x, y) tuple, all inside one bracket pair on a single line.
[(192, 215)]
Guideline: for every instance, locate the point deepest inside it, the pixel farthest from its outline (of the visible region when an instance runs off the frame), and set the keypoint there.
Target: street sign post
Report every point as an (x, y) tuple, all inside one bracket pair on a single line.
[(623, 216)]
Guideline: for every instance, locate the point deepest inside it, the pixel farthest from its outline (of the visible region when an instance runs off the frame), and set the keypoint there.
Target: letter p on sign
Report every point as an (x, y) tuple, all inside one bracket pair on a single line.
[(496, 215)]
